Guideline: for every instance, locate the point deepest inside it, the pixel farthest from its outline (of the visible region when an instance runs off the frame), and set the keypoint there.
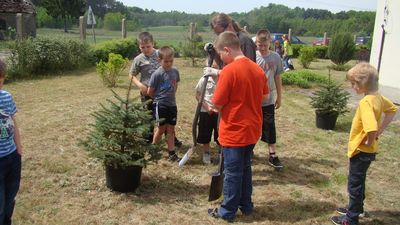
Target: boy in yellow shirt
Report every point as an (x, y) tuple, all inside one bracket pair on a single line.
[(363, 141)]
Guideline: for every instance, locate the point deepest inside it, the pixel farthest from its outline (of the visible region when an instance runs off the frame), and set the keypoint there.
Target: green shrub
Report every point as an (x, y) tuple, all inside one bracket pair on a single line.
[(128, 48), (110, 71), (306, 56), (321, 52), (303, 78), (296, 50), (339, 67), (40, 56), (341, 49)]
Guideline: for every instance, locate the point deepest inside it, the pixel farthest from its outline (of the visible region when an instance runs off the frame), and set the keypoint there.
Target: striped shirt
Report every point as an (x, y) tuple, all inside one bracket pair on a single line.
[(7, 110)]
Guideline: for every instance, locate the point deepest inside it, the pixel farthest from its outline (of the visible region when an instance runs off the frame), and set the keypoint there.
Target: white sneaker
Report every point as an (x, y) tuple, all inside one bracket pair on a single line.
[(206, 158), (287, 69)]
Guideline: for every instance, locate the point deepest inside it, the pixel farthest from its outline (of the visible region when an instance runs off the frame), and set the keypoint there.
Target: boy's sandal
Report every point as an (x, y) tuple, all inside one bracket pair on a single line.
[(214, 213)]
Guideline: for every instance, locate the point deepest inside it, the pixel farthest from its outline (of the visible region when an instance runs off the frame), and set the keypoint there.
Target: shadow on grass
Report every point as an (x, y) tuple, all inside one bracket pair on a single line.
[(288, 211), (169, 190), (380, 217), (296, 171)]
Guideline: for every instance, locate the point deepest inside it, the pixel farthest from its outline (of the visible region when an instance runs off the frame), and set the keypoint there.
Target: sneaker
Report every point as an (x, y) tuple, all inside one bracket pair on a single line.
[(206, 158), (287, 69), (339, 220), (275, 162), (177, 143), (214, 213), (343, 211), (173, 158)]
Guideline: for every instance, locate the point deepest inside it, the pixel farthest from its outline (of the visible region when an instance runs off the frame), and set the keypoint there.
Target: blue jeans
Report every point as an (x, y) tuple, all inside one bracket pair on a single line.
[(238, 185), (10, 176), (358, 167), (286, 62)]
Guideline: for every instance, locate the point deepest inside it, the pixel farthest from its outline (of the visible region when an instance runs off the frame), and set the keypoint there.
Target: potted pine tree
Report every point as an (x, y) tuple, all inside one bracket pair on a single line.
[(329, 102), (119, 139)]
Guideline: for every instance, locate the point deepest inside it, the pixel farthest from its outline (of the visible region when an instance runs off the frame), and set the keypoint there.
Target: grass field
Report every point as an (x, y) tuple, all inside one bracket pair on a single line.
[(61, 185), (171, 35)]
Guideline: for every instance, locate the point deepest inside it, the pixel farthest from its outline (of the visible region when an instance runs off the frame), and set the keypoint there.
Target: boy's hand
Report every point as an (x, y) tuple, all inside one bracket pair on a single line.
[(209, 71), (143, 90), (278, 103)]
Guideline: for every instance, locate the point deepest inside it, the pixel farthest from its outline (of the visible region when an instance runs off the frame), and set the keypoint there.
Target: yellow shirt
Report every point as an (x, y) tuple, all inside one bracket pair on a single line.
[(367, 119)]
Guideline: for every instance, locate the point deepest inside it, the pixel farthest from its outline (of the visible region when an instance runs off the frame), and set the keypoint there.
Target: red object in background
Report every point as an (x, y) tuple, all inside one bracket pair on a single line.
[(320, 41)]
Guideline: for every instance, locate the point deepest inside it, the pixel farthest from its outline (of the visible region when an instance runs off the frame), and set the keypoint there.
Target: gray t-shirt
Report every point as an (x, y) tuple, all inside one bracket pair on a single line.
[(145, 65), (272, 66), (210, 89), (165, 85)]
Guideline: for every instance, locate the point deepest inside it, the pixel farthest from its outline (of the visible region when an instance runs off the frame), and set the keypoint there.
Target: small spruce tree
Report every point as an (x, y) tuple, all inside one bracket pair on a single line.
[(119, 137)]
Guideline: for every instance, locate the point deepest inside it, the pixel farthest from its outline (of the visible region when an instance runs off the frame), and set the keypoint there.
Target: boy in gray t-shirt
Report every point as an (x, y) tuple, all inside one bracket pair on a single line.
[(162, 87), (271, 63), (145, 64)]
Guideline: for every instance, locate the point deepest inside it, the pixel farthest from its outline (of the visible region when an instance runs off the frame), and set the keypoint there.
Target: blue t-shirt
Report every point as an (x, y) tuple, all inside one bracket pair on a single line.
[(165, 85), (7, 110)]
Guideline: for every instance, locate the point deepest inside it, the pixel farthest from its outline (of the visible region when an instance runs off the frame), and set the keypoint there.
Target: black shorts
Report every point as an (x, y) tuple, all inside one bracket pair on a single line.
[(207, 124), (164, 114), (268, 128)]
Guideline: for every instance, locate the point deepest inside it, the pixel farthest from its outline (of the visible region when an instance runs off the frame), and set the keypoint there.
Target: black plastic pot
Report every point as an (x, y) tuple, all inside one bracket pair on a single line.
[(125, 179), (326, 121)]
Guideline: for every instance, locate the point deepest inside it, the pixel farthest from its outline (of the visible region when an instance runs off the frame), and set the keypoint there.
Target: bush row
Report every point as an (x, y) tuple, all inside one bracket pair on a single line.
[(362, 52), (39, 56), (303, 78)]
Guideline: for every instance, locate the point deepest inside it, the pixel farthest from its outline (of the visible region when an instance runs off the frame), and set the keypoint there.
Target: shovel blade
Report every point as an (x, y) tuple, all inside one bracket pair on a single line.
[(217, 183)]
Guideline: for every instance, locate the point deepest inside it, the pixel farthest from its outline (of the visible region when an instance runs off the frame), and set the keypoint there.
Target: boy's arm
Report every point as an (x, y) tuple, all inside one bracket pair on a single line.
[(17, 137), (138, 84), (386, 120), (150, 92), (278, 85)]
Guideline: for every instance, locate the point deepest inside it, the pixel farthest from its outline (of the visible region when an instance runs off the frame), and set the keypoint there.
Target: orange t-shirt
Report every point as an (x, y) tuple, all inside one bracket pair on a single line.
[(239, 91)]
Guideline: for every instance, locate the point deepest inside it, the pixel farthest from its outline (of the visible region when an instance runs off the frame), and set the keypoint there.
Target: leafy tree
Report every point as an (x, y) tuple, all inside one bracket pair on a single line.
[(66, 9), (341, 49), (112, 21), (193, 48)]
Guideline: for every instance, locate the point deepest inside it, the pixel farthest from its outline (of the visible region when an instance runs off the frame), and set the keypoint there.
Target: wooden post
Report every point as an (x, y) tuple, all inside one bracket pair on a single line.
[(325, 40), (192, 31), (124, 28), (290, 35), (82, 28), (19, 26)]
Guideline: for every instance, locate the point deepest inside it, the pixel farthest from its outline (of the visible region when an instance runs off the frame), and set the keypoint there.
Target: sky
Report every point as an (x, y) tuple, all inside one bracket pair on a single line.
[(229, 6)]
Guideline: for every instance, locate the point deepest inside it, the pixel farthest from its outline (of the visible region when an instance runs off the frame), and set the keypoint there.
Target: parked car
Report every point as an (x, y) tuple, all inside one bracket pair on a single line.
[(363, 40), (278, 36), (320, 41)]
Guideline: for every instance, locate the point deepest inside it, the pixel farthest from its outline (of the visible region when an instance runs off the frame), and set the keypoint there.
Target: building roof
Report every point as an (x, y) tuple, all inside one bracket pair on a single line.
[(16, 6)]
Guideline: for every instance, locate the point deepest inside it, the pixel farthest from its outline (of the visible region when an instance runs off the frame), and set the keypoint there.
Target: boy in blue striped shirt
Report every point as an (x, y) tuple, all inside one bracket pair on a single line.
[(10, 152)]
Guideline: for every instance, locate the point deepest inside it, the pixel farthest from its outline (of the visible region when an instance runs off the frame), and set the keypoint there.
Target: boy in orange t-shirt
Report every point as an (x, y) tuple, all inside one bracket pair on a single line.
[(241, 88)]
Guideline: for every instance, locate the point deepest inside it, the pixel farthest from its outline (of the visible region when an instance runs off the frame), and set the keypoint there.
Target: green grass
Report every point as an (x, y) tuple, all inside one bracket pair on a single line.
[(61, 185), (166, 35)]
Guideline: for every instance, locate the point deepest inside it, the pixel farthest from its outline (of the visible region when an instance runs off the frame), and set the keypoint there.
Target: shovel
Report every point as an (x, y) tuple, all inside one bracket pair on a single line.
[(211, 54), (217, 180)]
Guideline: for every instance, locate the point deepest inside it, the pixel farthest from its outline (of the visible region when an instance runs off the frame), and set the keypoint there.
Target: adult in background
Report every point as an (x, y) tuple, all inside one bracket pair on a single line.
[(223, 22)]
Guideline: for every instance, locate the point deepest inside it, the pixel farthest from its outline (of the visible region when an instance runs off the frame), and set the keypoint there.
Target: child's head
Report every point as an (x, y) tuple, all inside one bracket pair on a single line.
[(363, 77), (146, 43), (166, 55), (263, 41), (228, 46), (277, 43), (3, 71)]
